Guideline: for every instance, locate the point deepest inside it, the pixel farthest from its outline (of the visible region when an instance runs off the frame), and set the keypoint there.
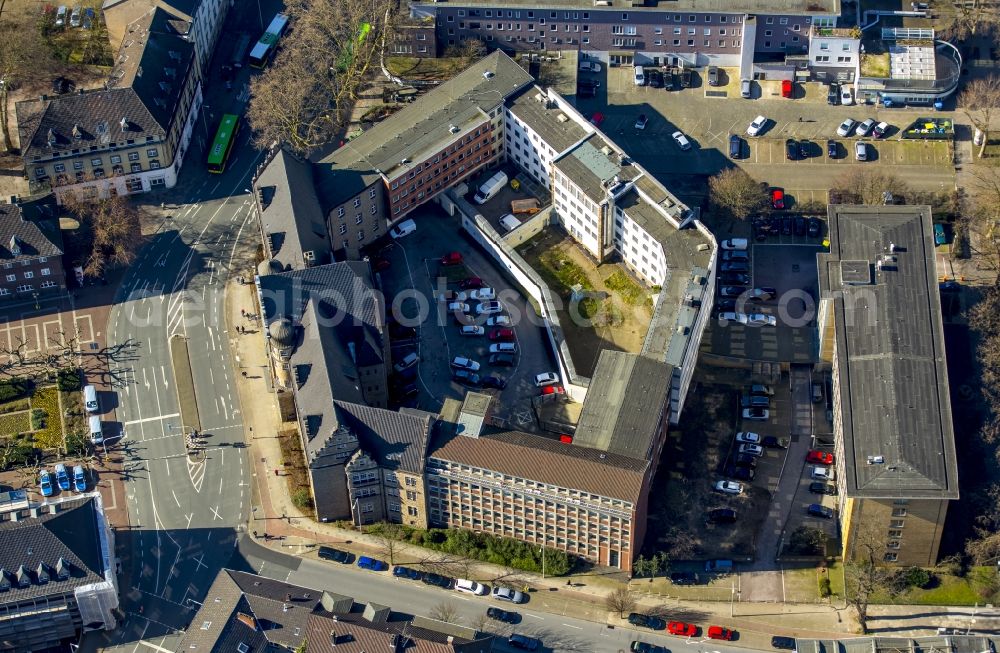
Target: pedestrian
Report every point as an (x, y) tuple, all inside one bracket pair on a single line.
[(275, 471), (244, 374), (243, 312)]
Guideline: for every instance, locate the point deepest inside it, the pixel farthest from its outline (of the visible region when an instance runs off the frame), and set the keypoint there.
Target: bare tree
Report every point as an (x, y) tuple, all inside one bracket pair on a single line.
[(866, 185), (735, 193), (445, 611), (23, 57), (980, 101), (982, 218), (306, 96), (621, 600), (865, 573), (390, 540), (481, 622), (963, 20), (113, 226)]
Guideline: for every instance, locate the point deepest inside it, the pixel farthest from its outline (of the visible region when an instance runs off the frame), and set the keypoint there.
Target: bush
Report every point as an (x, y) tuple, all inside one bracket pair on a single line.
[(824, 587), (38, 419), (69, 379), (14, 389), (807, 541), (302, 499), (917, 577)]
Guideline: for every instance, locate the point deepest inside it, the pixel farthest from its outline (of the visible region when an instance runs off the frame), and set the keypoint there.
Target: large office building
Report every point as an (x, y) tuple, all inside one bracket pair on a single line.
[(881, 332)]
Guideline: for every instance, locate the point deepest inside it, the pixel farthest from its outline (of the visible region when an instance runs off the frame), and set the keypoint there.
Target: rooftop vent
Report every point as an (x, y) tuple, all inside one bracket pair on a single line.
[(562, 117), (606, 150), (453, 129), (488, 74), (404, 162)]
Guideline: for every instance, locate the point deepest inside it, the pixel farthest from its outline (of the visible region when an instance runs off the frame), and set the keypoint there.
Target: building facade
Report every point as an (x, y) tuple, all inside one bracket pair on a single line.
[(129, 137), (414, 38), (834, 54), (31, 253)]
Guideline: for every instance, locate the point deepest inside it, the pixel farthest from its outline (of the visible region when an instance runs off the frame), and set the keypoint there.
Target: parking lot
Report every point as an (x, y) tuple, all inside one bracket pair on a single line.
[(412, 286), (500, 205)]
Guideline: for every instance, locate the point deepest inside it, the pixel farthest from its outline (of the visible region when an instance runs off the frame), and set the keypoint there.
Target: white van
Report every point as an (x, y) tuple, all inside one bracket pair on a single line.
[(90, 399), (509, 223), (640, 76), (490, 188), (61, 16), (96, 434)]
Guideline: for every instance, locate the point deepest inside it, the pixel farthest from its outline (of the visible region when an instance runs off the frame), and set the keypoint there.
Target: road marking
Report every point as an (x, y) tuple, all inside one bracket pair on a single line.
[(175, 497), (151, 419), (215, 511), (572, 626)]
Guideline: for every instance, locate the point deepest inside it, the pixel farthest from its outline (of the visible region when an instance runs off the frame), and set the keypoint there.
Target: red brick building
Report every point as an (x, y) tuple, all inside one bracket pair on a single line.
[(30, 251)]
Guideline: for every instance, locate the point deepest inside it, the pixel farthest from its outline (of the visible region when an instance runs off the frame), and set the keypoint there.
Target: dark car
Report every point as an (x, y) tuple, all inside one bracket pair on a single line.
[(735, 278), (734, 266), (806, 149), (643, 647), (583, 91), (739, 473), (745, 460), (833, 94), (502, 360), (819, 487), (735, 146), (772, 442), (800, 226), (684, 578), (816, 510), (654, 78), (731, 291), (437, 580), (399, 332), (329, 553), (405, 572), (465, 377), (785, 643), (724, 305), (786, 226), (815, 227), (471, 283), (831, 149), (721, 516), (502, 615), (791, 149), (523, 642), (686, 78), (494, 381), (646, 621)]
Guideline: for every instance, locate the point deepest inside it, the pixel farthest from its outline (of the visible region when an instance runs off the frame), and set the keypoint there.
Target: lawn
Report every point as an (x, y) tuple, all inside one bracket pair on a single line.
[(561, 273), (417, 68), (50, 436), (628, 290), (947, 590), (15, 423)]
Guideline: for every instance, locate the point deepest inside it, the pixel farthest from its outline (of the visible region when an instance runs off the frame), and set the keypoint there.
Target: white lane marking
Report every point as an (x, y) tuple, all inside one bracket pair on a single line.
[(151, 419), (572, 626)]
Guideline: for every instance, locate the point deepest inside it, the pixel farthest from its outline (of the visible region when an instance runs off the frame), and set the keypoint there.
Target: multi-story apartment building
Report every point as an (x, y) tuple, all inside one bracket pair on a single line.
[(685, 32), (881, 332), (30, 251), (57, 573), (834, 54), (204, 20), (414, 37), (129, 137), (538, 127), (444, 137)]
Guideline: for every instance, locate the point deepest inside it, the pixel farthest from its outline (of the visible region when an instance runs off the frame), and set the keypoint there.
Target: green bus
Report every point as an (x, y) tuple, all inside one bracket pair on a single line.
[(218, 154)]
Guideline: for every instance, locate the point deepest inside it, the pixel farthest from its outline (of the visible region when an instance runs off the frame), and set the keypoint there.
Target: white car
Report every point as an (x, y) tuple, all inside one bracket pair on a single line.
[(752, 449), (845, 96), (847, 127), (761, 319), (483, 294), (748, 436), (473, 330), (452, 296), (503, 348), (590, 67), (729, 316), (546, 378), (408, 361), (822, 473), (471, 587), (507, 594), (756, 126), (489, 308), (866, 127), (729, 487), (756, 413), (404, 228), (641, 121), (463, 363), (681, 140), (498, 321), (460, 307), (735, 244)]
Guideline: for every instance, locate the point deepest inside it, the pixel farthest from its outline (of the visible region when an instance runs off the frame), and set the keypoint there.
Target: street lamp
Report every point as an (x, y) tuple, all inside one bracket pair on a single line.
[(35, 296)]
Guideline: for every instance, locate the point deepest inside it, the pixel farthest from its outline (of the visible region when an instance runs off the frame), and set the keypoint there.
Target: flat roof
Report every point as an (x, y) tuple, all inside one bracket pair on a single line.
[(788, 7), (891, 366), (546, 118), (594, 164)]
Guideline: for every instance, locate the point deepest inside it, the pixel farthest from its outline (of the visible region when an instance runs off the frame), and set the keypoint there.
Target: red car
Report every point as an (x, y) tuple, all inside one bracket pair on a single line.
[(553, 390), (502, 334), (597, 119), (682, 629), (819, 457), (718, 632), (470, 283), (381, 264), (786, 88), (451, 258), (778, 199)]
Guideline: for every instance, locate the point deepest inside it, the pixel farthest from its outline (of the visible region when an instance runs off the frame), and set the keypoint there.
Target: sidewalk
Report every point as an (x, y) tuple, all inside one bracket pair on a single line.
[(277, 523)]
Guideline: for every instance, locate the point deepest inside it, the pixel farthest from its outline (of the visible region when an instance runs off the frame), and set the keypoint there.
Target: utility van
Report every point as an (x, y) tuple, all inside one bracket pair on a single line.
[(96, 433), (90, 399), (491, 187)]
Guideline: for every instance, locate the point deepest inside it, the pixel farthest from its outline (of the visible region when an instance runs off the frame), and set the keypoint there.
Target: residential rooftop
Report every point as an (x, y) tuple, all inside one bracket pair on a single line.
[(547, 119), (619, 413), (293, 224), (788, 7), (594, 165), (23, 238), (890, 356), (463, 101)]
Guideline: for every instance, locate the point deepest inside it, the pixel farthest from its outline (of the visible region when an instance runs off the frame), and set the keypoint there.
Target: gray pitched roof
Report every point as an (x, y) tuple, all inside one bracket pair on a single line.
[(22, 238), (627, 403), (290, 213), (356, 634), (395, 439), (72, 534), (415, 129), (890, 352), (139, 100), (787, 7)]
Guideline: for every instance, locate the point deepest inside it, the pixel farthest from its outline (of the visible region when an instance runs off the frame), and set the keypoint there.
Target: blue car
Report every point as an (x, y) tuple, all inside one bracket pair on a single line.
[(45, 483), (405, 572), (62, 478), (79, 479), (371, 564)]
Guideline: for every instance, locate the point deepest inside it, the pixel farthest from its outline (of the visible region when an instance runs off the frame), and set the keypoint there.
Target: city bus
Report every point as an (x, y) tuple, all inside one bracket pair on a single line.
[(265, 47), (218, 154)]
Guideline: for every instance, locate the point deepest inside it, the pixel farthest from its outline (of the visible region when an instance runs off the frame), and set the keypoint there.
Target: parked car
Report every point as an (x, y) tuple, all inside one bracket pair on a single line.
[(463, 363), (687, 78), (646, 621), (735, 146), (494, 381), (786, 226), (748, 437), (483, 294), (501, 593), (380, 263), (786, 88), (758, 414), (725, 305), (681, 140), (502, 334), (400, 571), (498, 614), (682, 629), (734, 243), (721, 516), (745, 89), (437, 580), (45, 483), (452, 296), (816, 510), (819, 487), (772, 442), (404, 228), (371, 564), (473, 330), (819, 457), (815, 227), (832, 149), (739, 473), (734, 278), (718, 632), (465, 377), (783, 643), (655, 79), (761, 319), (503, 348), (752, 449), (791, 149), (940, 238), (501, 360), (643, 647), (523, 642), (330, 553), (734, 266), (498, 320), (730, 316), (807, 149), (823, 474), (757, 126), (470, 283), (407, 391), (729, 487), (590, 67), (800, 226), (860, 151), (458, 307), (553, 390), (778, 199), (546, 378), (880, 130), (62, 478), (745, 460), (866, 127), (759, 389), (79, 479), (467, 586), (597, 119), (451, 258), (489, 308), (735, 255), (713, 76), (833, 93), (847, 127), (845, 96), (731, 291), (641, 121), (762, 294)]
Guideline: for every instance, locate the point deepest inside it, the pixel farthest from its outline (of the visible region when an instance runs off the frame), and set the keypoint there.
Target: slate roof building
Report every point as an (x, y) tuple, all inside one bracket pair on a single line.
[(30, 251), (245, 612), (130, 136), (57, 575), (881, 331)]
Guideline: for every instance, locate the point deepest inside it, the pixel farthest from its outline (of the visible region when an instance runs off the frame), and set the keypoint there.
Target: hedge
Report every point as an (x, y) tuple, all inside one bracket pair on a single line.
[(14, 389)]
